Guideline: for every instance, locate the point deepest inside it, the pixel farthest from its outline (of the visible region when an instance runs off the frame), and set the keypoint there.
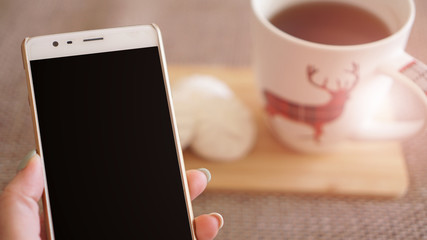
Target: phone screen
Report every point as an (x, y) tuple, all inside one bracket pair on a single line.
[(109, 151)]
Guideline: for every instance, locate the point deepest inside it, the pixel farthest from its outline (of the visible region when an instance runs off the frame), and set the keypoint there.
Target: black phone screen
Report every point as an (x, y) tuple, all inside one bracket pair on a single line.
[(109, 151)]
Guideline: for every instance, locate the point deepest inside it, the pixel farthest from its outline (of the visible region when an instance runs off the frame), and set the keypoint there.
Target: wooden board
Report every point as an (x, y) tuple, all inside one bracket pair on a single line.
[(369, 168)]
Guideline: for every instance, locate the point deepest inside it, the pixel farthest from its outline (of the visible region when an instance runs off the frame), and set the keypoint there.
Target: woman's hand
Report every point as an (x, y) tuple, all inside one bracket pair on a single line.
[(207, 225), (19, 210)]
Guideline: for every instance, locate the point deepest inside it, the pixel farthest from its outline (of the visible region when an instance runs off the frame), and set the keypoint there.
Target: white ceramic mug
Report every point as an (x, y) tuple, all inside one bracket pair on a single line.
[(310, 114)]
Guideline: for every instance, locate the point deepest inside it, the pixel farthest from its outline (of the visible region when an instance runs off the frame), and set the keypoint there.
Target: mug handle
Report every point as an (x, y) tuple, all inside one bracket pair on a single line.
[(412, 74)]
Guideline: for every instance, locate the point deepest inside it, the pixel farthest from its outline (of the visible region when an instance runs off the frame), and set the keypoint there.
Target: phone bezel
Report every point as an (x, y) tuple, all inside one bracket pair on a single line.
[(113, 39)]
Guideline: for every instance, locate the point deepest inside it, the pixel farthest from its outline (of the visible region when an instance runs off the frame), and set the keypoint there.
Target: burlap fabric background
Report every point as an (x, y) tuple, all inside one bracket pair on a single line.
[(210, 33)]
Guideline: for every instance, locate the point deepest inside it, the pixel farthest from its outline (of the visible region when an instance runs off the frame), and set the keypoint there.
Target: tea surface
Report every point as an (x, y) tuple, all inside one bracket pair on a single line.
[(331, 23)]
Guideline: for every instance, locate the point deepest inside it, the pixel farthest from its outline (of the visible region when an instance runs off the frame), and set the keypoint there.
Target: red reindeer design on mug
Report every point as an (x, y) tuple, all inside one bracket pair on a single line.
[(315, 115)]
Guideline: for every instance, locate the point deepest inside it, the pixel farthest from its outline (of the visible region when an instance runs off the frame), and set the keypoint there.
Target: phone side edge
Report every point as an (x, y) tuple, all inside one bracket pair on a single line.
[(33, 111), (175, 131)]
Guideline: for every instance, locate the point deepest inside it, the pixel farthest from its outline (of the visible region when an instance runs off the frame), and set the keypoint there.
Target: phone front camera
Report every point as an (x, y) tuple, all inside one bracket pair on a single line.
[(55, 44)]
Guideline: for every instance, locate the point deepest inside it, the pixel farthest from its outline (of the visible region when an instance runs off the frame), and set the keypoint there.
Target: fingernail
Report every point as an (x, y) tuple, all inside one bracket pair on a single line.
[(25, 160), (207, 173), (220, 219)]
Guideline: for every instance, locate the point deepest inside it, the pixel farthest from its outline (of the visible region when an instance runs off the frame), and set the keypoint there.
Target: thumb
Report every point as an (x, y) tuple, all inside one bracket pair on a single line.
[(19, 211), (29, 180)]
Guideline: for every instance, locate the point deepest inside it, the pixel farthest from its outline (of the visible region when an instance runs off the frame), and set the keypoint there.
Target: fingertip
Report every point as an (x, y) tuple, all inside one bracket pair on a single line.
[(33, 167), (208, 225), (219, 218), (197, 182), (207, 173), (29, 179), (27, 158)]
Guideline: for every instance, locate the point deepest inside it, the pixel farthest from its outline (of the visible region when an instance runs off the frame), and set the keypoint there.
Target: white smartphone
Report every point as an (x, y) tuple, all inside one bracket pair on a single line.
[(106, 133)]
